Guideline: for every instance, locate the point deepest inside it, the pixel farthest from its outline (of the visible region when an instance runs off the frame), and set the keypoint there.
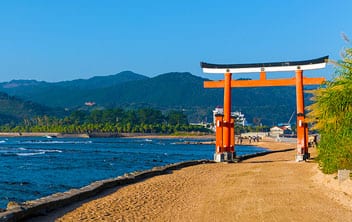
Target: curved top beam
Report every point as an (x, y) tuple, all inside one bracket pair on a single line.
[(318, 63)]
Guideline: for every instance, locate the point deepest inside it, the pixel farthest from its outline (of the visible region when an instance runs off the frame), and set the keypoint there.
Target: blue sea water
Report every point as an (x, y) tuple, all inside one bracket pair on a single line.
[(31, 168)]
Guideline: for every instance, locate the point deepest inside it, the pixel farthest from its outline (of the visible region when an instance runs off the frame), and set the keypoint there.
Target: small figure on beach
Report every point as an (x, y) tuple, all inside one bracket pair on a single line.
[(239, 140)]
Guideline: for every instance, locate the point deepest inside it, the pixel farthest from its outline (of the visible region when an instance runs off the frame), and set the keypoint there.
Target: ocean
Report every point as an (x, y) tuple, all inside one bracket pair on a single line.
[(31, 168)]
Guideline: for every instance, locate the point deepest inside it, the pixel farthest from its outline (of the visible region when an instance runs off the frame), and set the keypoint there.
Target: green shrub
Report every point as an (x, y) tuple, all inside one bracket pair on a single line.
[(331, 114)]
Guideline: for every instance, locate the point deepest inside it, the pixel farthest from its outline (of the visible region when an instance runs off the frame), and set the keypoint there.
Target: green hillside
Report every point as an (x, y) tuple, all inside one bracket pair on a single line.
[(66, 94), (184, 91), (177, 90), (13, 110), (101, 81), (170, 91)]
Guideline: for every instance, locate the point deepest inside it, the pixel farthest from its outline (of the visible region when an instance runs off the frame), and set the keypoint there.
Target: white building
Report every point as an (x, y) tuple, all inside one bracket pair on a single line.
[(239, 117), (275, 131)]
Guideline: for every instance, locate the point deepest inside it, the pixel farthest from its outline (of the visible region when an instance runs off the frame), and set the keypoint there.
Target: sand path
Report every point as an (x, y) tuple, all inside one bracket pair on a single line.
[(268, 188)]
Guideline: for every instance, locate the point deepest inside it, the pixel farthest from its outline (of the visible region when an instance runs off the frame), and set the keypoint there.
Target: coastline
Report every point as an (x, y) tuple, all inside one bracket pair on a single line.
[(37, 134), (47, 201), (273, 186), (105, 135), (199, 176)]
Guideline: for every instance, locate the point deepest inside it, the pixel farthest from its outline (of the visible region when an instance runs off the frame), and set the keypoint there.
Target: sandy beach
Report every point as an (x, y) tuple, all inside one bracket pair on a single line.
[(268, 188)]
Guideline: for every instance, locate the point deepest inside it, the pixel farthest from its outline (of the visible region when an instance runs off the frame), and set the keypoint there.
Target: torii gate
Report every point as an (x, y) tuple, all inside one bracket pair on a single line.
[(225, 133)]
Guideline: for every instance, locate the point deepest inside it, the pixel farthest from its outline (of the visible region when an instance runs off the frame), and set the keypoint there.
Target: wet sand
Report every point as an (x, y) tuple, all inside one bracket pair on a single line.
[(268, 188)]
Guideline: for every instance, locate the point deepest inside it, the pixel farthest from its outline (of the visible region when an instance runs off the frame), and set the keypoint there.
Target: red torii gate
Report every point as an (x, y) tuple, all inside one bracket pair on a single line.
[(225, 133)]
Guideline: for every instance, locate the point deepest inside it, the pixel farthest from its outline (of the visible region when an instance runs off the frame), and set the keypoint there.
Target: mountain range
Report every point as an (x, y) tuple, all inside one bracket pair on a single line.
[(169, 91)]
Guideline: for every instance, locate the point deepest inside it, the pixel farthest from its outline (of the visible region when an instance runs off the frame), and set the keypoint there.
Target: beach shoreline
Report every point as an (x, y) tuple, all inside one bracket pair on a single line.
[(274, 186), (91, 209)]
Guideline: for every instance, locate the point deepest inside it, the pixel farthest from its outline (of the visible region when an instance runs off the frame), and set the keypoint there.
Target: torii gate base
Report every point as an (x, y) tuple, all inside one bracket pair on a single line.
[(225, 140), (225, 133), (224, 157)]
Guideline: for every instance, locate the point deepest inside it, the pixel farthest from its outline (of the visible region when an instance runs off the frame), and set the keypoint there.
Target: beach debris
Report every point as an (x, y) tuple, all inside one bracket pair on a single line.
[(343, 175), (12, 205)]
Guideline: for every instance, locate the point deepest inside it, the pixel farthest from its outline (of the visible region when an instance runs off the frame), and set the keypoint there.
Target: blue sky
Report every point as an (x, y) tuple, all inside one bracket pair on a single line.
[(65, 40)]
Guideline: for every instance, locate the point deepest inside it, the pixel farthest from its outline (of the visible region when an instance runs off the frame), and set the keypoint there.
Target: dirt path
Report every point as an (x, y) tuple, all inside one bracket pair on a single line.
[(267, 188)]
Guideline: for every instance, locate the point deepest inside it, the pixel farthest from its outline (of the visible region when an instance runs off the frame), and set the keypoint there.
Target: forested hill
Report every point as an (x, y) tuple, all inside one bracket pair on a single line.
[(66, 94), (170, 91), (14, 110)]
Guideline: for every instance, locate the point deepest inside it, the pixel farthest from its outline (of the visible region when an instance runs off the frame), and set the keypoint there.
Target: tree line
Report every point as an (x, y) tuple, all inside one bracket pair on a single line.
[(117, 120)]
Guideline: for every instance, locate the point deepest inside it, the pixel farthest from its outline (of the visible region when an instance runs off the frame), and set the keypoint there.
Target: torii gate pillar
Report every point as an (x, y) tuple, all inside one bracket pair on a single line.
[(302, 126), (225, 129)]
